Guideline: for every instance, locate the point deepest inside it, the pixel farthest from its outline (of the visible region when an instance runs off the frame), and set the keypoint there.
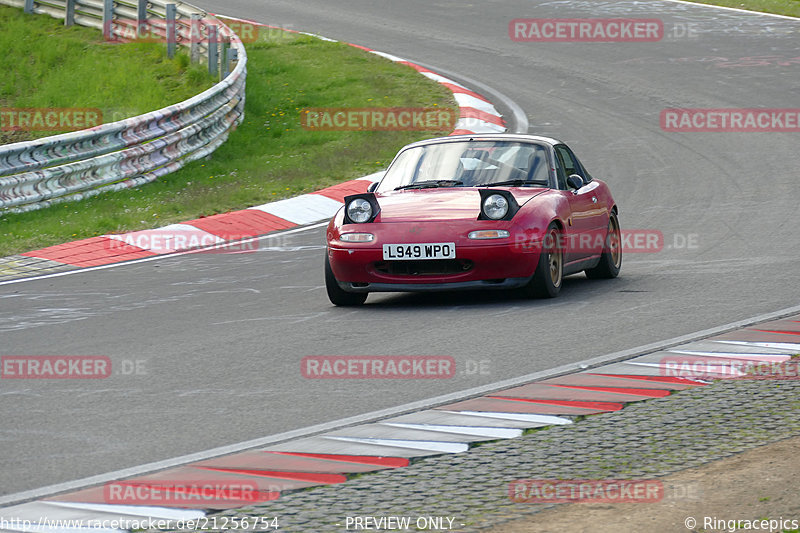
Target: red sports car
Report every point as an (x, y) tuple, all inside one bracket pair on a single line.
[(498, 211)]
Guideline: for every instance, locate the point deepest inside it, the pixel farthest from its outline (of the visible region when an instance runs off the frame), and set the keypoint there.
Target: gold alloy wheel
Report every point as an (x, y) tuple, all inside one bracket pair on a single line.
[(614, 241), (555, 260)]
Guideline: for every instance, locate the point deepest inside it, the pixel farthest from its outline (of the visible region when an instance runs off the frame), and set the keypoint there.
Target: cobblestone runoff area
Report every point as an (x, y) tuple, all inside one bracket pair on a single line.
[(642, 441)]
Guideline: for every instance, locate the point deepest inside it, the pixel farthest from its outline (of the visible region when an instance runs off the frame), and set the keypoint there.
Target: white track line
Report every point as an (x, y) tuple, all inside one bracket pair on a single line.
[(162, 256), (736, 9)]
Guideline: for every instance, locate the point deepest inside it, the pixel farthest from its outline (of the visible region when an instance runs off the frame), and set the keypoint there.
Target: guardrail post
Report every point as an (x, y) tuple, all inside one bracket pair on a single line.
[(69, 14), (172, 34), (196, 38), (213, 56), (141, 17), (108, 17), (223, 55), (230, 55), (29, 6)]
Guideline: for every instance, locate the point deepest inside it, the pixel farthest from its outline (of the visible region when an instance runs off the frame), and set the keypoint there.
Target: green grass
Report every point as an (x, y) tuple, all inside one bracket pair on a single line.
[(779, 7), (46, 65), (270, 156)]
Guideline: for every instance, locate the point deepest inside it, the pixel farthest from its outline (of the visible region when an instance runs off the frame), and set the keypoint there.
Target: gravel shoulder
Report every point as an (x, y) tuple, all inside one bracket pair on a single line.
[(753, 485)]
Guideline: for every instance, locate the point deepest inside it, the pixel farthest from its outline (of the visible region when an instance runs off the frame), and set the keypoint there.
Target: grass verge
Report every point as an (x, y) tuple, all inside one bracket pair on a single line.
[(270, 156), (789, 8), (47, 65)]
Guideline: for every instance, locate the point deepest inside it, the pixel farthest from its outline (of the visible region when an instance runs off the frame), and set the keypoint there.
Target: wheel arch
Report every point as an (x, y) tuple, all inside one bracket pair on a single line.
[(558, 222)]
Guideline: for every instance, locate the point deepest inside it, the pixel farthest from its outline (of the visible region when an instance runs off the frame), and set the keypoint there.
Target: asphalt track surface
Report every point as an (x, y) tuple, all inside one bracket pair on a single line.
[(219, 337)]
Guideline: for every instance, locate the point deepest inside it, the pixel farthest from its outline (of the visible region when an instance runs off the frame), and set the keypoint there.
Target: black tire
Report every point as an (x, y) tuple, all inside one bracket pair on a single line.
[(549, 275), (336, 295), (611, 260)]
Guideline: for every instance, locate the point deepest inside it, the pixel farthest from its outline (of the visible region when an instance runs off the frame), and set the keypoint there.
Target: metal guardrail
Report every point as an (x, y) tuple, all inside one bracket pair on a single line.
[(137, 150)]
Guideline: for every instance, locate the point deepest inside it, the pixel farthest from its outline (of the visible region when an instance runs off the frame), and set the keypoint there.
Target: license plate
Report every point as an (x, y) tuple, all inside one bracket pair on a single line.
[(433, 250)]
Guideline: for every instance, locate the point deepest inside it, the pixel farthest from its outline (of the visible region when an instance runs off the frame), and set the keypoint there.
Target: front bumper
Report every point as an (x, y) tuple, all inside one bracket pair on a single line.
[(507, 283), (478, 265)]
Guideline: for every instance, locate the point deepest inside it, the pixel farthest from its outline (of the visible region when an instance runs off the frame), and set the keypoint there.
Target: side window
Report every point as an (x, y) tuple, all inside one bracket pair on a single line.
[(566, 157), (562, 178), (583, 172)]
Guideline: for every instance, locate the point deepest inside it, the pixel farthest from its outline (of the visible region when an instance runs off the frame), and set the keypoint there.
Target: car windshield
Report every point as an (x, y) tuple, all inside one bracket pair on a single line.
[(468, 164)]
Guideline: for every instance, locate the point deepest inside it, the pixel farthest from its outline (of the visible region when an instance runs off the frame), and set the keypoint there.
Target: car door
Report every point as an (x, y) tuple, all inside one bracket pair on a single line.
[(588, 217)]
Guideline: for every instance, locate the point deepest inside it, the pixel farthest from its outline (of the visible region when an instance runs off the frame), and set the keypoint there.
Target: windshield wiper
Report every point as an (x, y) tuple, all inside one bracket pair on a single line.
[(514, 183), (430, 184)]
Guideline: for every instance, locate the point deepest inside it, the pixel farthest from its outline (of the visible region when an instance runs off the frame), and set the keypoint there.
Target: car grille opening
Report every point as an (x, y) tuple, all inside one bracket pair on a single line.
[(429, 267)]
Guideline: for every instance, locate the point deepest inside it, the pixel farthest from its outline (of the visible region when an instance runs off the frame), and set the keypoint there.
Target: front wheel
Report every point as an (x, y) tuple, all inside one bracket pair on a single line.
[(336, 295), (611, 260), (546, 281)]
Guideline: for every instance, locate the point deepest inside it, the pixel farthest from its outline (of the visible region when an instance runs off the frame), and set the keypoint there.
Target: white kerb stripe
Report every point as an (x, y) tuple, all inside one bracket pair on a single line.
[(41, 516), (790, 346), (736, 355), (319, 37), (377, 176), (168, 239), (431, 446), (441, 79), (478, 126), (467, 100), (523, 417), (724, 370), (135, 510), (304, 209), (390, 57), (478, 431)]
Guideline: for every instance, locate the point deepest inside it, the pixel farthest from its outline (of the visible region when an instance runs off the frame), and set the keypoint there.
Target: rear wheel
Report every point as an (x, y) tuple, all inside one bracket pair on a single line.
[(336, 295), (546, 281), (611, 260)]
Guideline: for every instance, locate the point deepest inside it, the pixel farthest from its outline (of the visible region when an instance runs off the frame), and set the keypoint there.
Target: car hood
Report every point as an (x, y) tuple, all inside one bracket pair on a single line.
[(451, 203)]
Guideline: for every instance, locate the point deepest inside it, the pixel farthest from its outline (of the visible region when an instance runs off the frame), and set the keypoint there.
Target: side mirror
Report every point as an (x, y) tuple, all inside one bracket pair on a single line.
[(373, 186), (575, 181)]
